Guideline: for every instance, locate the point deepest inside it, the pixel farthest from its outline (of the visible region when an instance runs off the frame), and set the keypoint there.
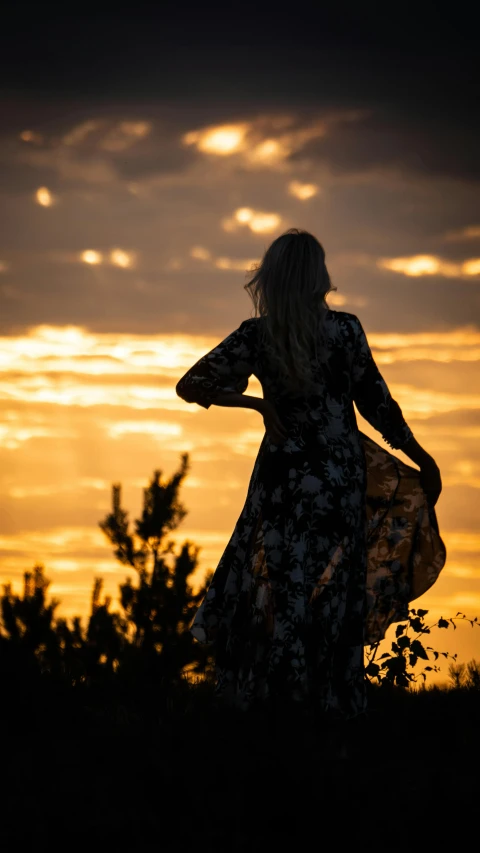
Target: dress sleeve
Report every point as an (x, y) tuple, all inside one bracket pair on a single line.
[(226, 368), (372, 396)]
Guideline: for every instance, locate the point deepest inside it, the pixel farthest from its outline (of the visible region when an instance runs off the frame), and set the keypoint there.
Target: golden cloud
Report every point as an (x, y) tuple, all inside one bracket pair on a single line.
[(420, 265), (266, 142), (302, 191), (44, 197), (257, 221)]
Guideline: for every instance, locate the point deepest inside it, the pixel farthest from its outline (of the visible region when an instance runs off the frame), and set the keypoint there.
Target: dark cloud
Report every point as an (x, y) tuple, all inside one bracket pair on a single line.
[(416, 143), (260, 53)]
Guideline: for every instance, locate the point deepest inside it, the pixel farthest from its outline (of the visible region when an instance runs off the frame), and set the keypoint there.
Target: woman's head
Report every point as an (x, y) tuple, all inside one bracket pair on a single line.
[(288, 290)]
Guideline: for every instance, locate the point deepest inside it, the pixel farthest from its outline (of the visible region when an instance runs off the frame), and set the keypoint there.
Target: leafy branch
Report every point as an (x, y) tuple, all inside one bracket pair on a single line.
[(398, 666)]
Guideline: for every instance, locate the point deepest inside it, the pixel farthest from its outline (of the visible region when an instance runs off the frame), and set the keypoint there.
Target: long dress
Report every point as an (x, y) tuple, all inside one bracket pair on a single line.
[(335, 537)]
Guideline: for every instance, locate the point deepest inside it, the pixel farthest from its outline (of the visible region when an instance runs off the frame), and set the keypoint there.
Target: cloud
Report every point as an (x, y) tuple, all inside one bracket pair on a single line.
[(418, 143), (421, 265), (268, 142), (257, 221), (469, 232)]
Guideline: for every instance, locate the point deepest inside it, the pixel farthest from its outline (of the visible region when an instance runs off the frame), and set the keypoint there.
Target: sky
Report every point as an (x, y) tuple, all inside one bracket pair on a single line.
[(146, 161)]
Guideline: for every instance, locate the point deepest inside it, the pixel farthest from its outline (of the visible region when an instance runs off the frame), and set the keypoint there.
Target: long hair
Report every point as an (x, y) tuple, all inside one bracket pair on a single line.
[(288, 291)]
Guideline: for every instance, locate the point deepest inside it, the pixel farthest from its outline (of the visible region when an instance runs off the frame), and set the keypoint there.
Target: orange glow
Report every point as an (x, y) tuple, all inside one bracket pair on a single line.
[(90, 256), (337, 299), (268, 152), (266, 142), (302, 191), (200, 253), (257, 221), (121, 259), (44, 197), (471, 267), (419, 265), (265, 223), (244, 215), (233, 264), (222, 140), (31, 136)]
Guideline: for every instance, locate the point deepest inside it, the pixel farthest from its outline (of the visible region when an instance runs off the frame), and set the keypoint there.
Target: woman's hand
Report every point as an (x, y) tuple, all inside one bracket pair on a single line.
[(273, 425), (431, 481)]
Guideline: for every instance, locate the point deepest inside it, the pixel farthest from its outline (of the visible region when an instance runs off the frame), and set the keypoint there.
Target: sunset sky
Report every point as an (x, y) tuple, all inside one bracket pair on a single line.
[(145, 164)]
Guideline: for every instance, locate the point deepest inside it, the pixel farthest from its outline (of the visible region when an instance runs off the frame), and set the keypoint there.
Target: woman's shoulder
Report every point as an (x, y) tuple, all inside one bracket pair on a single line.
[(343, 315), (344, 321), (249, 323)]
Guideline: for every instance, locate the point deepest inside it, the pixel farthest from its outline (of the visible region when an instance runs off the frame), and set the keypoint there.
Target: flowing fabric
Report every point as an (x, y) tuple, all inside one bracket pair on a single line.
[(405, 552), (335, 536)]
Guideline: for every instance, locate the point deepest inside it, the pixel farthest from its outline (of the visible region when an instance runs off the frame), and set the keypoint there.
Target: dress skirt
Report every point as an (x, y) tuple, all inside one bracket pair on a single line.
[(312, 575)]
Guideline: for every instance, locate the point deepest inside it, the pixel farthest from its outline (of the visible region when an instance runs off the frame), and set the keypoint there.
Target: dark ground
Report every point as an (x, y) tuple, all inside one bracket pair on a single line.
[(105, 774)]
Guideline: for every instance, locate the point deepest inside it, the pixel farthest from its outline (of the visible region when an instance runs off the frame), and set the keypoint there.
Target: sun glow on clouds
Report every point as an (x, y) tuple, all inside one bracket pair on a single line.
[(154, 428), (302, 191), (233, 263), (13, 435), (222, 140), (31, 136), (44, 197), (266, 142), (199, 253), (117, 257), (268, 153), (257, 221), (244, 139), (39, 368), (419, 265), (121, 259), (58, 538), (74, 349), (90, 256), (47, 491)]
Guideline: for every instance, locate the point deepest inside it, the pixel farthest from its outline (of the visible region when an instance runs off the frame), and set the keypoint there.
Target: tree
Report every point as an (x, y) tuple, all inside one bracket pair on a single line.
[(29, 642), (160, 606)]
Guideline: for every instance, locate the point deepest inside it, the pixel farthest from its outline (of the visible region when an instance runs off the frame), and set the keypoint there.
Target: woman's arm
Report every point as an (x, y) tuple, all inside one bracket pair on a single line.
[(416, 452), (243, 401), (224, 371)]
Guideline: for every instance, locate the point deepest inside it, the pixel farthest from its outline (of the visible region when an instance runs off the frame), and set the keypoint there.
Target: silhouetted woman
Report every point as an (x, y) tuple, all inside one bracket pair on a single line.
[(337, 535)]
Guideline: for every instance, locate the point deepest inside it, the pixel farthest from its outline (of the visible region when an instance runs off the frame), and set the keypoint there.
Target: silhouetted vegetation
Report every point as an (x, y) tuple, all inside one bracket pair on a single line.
[(147, 641), (407, 651), (138, 673)]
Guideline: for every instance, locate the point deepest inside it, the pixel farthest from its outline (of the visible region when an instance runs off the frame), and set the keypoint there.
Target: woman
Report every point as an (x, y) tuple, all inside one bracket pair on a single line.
[(336, 534)]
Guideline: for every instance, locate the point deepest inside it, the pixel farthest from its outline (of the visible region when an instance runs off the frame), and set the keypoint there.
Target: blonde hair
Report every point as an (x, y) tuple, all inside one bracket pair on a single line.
[(288, 291)]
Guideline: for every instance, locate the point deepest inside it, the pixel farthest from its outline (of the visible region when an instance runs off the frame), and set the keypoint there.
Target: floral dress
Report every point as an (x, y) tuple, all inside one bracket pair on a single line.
[(335, 536)]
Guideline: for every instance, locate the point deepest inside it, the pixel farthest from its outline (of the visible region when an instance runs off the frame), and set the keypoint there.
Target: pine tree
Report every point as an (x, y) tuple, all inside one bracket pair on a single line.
[(160, 606), (28, 625)]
